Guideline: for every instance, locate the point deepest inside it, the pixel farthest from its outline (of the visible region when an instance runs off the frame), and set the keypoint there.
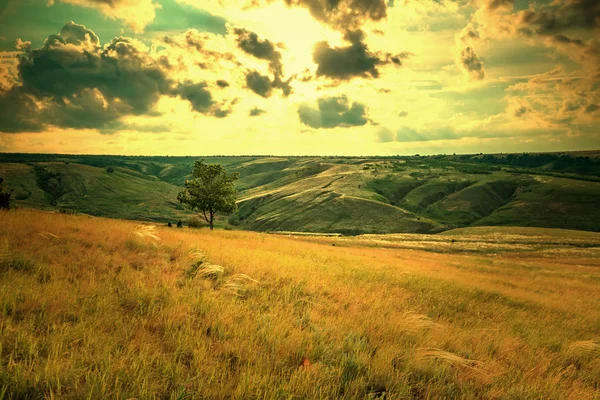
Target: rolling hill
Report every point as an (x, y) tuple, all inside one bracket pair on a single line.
[(347, 195)]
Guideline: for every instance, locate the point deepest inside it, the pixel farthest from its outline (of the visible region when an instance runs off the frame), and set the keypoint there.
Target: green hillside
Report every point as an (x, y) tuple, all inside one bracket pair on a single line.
[(346, 195)]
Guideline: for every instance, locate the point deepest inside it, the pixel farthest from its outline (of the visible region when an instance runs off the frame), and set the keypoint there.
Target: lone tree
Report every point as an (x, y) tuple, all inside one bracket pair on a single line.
[(7, 200), (211, 191)]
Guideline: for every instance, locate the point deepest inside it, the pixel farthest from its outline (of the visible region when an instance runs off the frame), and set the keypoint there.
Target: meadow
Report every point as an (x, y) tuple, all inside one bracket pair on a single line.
[(104, 308)]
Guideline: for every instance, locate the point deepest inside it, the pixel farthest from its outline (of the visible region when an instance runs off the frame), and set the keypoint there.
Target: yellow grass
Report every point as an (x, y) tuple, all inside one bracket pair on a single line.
[(99, 308)]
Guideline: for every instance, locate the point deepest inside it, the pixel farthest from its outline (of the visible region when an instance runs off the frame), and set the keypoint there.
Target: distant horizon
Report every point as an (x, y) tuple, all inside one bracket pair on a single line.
[(305, 155)]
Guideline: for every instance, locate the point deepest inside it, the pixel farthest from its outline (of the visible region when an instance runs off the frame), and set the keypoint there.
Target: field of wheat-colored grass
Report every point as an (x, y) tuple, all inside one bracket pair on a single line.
[(100, 308)]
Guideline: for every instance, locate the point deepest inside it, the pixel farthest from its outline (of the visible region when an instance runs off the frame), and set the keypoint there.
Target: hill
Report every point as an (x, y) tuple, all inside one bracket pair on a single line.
[(157, 312), (328, 194)]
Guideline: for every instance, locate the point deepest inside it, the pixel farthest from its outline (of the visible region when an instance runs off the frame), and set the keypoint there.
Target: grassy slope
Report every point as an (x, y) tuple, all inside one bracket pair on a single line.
[(130, 320), (123, 194), (322, 194), (554, 203)]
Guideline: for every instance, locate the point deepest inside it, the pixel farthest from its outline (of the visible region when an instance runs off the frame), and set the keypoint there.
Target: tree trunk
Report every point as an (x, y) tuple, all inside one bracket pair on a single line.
[(211, 219)]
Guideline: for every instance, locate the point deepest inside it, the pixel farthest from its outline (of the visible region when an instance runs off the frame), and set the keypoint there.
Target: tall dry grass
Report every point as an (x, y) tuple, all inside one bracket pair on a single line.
[(99, 308)]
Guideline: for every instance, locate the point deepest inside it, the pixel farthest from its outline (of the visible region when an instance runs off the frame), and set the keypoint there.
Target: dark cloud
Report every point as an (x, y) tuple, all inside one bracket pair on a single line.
[(18, 111), (265, 50), (259, 48), (500, 4), (221, 83), (259, 84), (255, 112), (471, 63), (469, 33), (519, 112), (82, 85), (591, 108), (559, 16), (403, 114), (560, 38), (195, 40), (71, 81), (351, 61), (344, 14), (197, 94), (201, 99), (332, 112)]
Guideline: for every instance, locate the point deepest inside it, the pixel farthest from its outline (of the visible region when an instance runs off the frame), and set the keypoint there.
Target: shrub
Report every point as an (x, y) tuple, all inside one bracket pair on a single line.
[(110, 170), (170, 225), (180, 224), (7, 200), (195, 222), (234, 220)]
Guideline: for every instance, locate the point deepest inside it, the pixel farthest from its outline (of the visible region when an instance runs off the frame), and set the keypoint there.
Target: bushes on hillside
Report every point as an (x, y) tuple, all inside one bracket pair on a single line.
[(195, 222), (234, 220), (7, 200)]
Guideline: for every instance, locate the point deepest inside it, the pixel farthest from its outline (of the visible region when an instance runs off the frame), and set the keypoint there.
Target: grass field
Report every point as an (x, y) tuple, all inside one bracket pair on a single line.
[(102, 308)]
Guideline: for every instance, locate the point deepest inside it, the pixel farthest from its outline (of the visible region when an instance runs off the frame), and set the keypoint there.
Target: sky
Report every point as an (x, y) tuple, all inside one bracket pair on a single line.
[(299, 77)]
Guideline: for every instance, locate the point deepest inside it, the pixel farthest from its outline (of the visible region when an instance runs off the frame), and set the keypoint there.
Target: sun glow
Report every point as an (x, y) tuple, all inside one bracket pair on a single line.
[(293, 28)]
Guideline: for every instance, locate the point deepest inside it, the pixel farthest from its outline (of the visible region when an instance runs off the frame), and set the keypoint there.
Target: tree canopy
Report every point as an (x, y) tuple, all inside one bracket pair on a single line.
[(211, 191)]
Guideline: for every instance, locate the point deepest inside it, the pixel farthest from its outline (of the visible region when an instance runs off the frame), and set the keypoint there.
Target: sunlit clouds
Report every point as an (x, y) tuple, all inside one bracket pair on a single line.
[(355, 77)]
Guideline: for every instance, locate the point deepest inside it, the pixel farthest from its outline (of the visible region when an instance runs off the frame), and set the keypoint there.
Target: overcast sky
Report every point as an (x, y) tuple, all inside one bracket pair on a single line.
[(294, 77)]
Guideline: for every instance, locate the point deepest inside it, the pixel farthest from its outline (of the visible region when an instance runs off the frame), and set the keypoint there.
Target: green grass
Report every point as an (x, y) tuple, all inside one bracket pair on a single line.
[(125, 194), (553, 203), (317, 194)]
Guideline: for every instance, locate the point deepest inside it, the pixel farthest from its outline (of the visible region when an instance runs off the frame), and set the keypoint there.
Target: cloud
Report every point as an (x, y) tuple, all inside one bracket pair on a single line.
[(200, 98), (557, 99), (332, 112), (466, 57), (384, 135), (355, 60), (22, 45), (559, 16), (259, 48), (72, 81), (402, 114), (407, 134), (263, 49), (570, 27), (9, 60), (519, 112), (259, 84), (124, 72), (493, 5), (344, 14), (592, 108), (18, 111), (255, 112), (470, 62), (136, 13)]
